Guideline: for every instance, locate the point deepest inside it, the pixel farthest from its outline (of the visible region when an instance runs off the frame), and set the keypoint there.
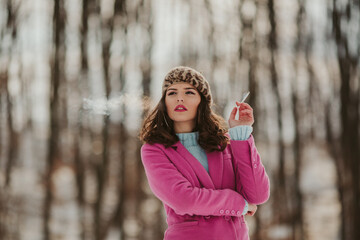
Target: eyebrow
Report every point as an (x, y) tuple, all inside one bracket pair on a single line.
[(184, 88)]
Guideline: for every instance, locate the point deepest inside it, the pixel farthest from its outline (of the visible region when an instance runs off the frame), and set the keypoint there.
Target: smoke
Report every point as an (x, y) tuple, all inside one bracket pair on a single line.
[(104, 106)]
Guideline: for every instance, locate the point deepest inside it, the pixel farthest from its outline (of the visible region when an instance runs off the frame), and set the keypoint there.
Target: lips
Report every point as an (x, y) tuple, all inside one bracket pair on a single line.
[(180, 108)]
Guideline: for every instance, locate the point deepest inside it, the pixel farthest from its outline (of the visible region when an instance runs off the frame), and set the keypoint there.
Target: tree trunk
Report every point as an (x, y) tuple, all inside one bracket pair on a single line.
[(56, 75), (280, 191), (80, 165), (11, 26), (298, 112), (348, 161)]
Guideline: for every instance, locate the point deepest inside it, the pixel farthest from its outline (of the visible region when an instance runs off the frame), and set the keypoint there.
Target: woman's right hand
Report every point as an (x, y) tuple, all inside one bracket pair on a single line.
[(251, 209)]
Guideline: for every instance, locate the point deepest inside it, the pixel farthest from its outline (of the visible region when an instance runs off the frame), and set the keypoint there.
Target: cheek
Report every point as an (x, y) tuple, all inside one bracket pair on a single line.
[(167, 104), (195, 108), (168, 107), (197, 104)]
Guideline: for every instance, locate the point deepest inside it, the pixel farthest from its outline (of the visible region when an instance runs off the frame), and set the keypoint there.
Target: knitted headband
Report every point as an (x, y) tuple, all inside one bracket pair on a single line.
[(188, 75)]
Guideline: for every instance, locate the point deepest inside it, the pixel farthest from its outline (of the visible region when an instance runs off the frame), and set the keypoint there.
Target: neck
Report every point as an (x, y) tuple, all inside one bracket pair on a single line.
[(184, 127)]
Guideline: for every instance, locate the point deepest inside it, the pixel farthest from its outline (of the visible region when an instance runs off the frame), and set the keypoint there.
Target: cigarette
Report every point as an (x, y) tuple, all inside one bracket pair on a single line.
[(244, 97)]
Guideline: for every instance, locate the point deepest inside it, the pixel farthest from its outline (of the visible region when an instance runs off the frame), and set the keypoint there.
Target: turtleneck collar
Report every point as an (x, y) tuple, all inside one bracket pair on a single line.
[(188, 139)]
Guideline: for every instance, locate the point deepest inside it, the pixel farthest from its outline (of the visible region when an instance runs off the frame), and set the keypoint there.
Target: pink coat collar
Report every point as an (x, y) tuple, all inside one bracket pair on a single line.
[(215, 161)]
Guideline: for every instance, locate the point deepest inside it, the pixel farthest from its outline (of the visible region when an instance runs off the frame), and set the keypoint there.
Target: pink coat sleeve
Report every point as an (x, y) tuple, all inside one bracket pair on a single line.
[(251, 179), (174, 190)]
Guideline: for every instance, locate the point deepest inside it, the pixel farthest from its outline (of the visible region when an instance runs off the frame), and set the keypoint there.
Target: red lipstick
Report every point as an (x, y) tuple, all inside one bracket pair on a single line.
[(180, 108)]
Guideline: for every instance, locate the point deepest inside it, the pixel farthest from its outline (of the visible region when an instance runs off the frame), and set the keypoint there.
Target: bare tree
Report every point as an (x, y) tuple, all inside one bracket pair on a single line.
[(145, 11), (298, 144), (108, 27), (120, 15), (57, 70), (346, 147), (79, 163), (9, 204), (280, 190), (11, 29)]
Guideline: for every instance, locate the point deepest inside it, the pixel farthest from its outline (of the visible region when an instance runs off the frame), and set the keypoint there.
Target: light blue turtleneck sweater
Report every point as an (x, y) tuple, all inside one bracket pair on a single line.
[(190, 142)]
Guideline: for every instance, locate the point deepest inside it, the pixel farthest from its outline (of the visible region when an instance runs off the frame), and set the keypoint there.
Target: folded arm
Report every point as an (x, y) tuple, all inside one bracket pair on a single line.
[(174, 190)]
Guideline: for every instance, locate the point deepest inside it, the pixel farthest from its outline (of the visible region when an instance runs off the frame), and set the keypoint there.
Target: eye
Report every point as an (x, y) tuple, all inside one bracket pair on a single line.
[(190, 92), (171, 93)]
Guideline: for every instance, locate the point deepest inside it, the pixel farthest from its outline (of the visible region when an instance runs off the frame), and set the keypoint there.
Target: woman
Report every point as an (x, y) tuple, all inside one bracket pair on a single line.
[(206, 177)]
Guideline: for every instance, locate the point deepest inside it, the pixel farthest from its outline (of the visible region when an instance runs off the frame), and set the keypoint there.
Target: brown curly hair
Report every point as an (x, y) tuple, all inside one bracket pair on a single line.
[(159, 128)]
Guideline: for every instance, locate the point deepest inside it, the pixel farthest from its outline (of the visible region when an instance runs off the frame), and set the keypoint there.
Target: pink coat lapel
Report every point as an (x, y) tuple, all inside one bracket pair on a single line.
[(215, 161)]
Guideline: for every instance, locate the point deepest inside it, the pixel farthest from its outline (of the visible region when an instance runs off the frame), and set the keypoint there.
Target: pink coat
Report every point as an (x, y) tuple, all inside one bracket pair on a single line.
[(201, 205)]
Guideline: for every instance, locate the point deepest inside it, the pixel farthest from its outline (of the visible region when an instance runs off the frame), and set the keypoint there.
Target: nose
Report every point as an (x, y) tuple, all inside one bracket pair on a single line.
[(180, 98)]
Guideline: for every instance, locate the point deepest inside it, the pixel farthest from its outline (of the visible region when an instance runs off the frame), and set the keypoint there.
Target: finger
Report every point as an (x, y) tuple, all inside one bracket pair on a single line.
[(245, 112), (250, 213), (233, 113), (244, 106), (245, 116)]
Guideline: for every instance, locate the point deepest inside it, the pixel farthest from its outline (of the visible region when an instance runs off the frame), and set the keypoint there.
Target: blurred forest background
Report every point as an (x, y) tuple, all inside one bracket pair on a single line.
[(78, 77)]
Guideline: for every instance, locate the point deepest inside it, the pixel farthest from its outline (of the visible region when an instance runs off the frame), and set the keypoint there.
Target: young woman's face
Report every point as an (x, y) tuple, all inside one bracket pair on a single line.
[(182, 101)]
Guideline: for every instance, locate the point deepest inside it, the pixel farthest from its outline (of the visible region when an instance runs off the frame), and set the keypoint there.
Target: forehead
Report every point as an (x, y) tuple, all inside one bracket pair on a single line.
[(181, 85)]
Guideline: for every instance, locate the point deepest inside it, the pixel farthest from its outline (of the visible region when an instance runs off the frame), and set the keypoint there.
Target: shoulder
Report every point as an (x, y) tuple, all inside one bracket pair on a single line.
[(153, 154), (152, 148), (148, 146)]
